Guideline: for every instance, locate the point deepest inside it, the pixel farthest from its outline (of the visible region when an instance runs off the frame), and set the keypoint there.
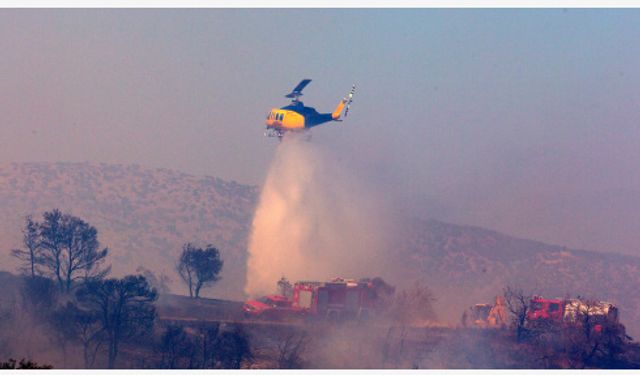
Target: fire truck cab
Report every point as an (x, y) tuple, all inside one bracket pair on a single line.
[(272, 307), (571, 312), (545, 309)]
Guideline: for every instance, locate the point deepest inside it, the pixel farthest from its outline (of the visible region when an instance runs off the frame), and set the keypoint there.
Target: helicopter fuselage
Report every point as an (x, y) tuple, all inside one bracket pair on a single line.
[(296, 117)]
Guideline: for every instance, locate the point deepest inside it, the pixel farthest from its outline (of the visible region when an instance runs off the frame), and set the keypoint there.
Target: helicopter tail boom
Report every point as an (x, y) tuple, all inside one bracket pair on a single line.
[(338, 111), (345, 101)]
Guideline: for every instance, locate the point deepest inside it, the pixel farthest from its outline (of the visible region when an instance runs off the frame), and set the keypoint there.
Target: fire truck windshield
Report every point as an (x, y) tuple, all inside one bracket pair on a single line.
[(535, 306)]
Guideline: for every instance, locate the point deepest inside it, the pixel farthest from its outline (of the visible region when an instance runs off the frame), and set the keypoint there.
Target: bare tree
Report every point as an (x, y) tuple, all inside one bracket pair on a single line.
[(90, 334), (62, 321), (124, 306), (208, 341), (518, 305), (70, 249), (83, 255), (30, 256), (291, 350), (199, 267), (71, 323), (52, 241), (593, 339), (414, 305)]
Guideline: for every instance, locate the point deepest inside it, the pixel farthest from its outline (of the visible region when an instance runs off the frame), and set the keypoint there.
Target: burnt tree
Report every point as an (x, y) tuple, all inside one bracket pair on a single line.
[(518, 305), (30, 256)]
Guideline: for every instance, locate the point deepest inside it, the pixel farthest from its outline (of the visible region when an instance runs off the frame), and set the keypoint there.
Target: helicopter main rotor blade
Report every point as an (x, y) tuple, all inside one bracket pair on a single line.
[(297, 91)]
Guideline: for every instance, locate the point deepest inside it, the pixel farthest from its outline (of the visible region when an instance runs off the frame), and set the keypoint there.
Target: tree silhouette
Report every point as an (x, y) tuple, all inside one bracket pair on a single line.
[(233, 348), (199, 267), (176, 348), (124, 306), (39, 296), (518, 305), (24, 364), (291, 349), (69, 249), (414, 305), (30, 256), (71, 323)]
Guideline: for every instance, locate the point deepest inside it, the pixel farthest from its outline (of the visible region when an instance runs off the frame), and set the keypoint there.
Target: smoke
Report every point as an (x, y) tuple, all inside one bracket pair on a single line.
[(316, 220)]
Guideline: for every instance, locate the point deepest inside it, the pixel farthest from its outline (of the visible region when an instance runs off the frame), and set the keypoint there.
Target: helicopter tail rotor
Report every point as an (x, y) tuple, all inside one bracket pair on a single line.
[(350, 100)]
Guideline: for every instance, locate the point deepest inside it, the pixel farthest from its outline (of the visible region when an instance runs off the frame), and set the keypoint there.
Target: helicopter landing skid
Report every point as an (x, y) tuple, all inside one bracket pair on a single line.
[(272, 133)]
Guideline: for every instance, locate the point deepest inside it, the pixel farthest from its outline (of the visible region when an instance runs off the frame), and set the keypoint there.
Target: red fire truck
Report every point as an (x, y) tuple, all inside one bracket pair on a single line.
[(338, 299), (269, 307), (571, 311)]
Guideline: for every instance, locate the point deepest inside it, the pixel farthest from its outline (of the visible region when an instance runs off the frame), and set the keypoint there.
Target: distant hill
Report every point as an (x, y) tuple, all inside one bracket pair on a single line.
[(145, 215), (465, 263)]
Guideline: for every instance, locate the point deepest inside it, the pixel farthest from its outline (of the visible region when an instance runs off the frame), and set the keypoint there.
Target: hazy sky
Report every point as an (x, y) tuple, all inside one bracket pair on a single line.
[(524, 121)]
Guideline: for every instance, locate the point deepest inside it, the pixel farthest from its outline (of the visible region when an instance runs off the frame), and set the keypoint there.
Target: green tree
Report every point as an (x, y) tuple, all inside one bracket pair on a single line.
[(199, 267)]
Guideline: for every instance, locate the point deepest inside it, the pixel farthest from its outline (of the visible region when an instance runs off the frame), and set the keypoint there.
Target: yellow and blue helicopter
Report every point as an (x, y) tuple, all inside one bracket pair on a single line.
[(296, 117)]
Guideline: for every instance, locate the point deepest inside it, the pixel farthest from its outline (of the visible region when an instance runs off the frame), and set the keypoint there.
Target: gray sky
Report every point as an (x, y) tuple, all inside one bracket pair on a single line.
[(524, 121)]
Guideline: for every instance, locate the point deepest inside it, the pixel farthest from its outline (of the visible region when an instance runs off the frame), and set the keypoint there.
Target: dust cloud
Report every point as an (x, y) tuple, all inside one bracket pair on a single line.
[(316, 220)]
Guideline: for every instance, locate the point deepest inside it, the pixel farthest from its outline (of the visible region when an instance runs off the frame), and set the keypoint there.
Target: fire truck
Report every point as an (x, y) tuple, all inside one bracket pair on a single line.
[(571, 311), (338, 299), (485, 315)]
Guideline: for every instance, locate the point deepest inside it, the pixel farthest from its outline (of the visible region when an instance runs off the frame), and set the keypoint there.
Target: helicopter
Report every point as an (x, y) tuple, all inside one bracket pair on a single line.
[(296, 117)]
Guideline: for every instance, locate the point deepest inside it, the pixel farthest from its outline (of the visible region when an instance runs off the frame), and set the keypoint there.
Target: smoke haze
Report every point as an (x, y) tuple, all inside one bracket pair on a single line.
[(315, 221), (519, 120)]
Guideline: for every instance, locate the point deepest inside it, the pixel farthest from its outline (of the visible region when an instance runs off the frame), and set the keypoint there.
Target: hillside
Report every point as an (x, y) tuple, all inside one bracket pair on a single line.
[(144, 216), (462, 263)]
